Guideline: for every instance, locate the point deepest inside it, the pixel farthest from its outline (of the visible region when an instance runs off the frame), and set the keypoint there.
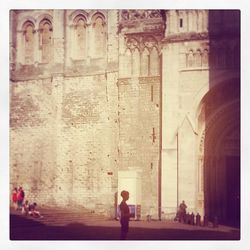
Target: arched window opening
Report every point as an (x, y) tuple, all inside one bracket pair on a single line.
[(145, 62), (190, 59), (99, 36), (29, 43), (136, 62), (128, 63), (80, 39), (198, 58), (46, 41), (205, 58), (154, 62)]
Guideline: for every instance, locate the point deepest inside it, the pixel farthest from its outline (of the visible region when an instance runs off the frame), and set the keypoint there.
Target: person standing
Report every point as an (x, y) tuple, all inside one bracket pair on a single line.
[(20, 198), (183, 212), (14, 198), (125, 215)]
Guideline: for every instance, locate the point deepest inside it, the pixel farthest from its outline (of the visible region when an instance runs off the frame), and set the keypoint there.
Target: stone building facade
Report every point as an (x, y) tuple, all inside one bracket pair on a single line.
[(144, 100)]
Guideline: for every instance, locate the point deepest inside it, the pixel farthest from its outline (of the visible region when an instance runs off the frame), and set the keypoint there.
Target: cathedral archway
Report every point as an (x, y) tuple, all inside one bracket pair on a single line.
[(221, 153)]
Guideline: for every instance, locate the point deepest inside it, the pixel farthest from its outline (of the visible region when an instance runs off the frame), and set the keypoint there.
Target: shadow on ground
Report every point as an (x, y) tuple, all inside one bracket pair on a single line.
[(22, 228)]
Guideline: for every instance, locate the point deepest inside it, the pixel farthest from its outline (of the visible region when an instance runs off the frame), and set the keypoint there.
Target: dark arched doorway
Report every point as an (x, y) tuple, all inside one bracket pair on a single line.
[(222, 154)]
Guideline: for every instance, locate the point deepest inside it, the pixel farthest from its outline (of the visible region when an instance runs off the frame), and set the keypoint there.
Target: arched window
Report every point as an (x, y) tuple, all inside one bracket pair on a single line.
[(46, 41), (205, 58), (128, 63), (198, 58), (99, 36), (29, 45), (136, 62), (80, 38), (190, 59), (154, 62), (145, 62)]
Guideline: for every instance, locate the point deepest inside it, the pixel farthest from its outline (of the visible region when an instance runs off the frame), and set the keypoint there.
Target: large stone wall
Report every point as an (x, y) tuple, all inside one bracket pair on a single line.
[(132, 102), (63, 126), (139, 149)]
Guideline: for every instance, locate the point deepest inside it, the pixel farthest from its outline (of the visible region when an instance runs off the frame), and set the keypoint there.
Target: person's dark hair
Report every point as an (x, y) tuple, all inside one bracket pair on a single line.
[(124, 193)]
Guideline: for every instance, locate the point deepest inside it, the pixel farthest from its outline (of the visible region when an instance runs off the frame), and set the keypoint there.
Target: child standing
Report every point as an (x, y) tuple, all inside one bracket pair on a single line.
[(125, 214)]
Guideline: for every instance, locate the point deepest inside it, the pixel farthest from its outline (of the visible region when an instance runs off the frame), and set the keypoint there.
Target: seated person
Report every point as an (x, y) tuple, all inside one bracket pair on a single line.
[(25, 207), (33, 211)]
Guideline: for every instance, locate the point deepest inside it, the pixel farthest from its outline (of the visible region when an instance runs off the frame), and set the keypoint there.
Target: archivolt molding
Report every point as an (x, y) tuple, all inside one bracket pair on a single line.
[(206, 87), (24, 20), (43, 17), (75, 14), (78, 18), (142, 41), (223, 113), (95, 14)]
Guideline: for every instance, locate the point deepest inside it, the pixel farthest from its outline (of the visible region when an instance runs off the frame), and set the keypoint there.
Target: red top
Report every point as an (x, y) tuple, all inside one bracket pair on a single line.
[(14, 196)]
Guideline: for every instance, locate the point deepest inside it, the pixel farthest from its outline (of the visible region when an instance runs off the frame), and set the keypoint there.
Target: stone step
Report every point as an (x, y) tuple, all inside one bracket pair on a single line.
[(60, 217)]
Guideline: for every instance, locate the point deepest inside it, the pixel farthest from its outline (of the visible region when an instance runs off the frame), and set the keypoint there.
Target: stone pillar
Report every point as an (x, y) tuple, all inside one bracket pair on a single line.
[(67, 40), (60, 181), (19, 47), (13, 38), (58, 36), (205, 20), (37, 55), (112, 37), (170, 79)]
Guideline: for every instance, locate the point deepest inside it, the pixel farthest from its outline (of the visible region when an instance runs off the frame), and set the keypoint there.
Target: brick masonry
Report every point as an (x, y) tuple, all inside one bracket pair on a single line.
[(76, 120)]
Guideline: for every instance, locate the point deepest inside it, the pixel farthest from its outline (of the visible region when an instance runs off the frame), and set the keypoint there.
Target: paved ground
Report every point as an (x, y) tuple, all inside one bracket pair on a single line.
[(58, 224)]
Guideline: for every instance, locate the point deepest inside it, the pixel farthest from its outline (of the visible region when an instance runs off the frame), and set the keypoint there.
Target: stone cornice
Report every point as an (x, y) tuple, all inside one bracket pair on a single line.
[(187, 36)]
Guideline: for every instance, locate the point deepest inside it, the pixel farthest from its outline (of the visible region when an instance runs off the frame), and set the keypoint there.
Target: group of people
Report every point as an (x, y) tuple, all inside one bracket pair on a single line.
[(188, 218), (20, 204)]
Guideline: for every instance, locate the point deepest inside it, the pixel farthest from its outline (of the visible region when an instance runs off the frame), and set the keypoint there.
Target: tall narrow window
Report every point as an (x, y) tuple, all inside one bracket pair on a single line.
[(46, 41), (154, 62), (198, 58), (128, 63), (145, 62), (181, 22), (99, 39), (190, 59), (29, 43), (205, 58), (80, 47), (136, 62)]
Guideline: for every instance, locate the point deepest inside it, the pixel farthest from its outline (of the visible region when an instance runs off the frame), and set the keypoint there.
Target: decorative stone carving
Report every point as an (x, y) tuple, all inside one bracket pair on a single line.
[(197, 59), (123, 81), (139, 14), (149, 80), (141, 41), (132, 43), (149, 42), (145, 54)]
